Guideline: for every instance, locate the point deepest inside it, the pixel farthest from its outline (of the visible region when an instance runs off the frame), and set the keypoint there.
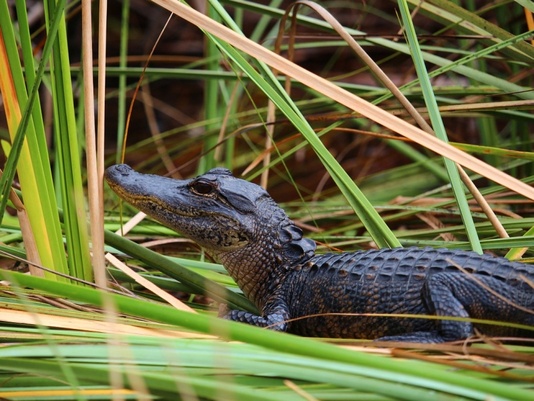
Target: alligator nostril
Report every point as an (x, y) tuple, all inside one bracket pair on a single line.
[(122, 169)]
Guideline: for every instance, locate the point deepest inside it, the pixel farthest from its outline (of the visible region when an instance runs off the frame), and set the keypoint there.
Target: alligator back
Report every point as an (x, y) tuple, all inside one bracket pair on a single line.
[(393, 281)]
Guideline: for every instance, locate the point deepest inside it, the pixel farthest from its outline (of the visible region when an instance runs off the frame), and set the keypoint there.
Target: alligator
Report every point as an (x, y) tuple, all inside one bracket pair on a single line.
[(335, 295)]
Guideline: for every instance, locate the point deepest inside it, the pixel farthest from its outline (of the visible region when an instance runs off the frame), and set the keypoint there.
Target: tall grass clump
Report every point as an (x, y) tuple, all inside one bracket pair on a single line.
[(375, 124)]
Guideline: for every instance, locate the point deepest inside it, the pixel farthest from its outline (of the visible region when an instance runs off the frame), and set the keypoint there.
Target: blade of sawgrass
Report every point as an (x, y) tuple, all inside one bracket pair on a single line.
[(413, 373), (29, 152), (438, 127), (68, 152)]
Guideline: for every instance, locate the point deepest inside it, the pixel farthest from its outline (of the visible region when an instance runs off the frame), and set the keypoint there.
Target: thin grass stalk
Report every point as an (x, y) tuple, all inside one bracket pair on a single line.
[(94, 158), (122, 86), (146, 99), (229, 148), (93, 183), (211, 102), (96, 172)]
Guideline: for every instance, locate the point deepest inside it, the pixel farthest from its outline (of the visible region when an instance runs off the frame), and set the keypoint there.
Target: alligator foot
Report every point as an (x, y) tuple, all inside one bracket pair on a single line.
[(276, 322)]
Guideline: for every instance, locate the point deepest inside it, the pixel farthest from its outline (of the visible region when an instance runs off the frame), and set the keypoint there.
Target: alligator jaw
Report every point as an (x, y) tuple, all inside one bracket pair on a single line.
[(145, 191)]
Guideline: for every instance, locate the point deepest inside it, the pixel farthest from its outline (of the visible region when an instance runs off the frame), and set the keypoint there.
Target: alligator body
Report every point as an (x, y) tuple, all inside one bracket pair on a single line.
[(332, 295)]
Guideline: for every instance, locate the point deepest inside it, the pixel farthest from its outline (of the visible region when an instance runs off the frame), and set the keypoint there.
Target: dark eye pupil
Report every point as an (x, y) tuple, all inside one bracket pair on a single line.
[(203, 188)]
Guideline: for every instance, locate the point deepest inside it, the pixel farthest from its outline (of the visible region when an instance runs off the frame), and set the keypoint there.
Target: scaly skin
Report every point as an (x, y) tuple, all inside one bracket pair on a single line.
[(239, 224)]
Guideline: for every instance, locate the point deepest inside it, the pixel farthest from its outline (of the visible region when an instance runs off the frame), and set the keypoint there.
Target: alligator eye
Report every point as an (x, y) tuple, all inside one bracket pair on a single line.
[(202, 187)]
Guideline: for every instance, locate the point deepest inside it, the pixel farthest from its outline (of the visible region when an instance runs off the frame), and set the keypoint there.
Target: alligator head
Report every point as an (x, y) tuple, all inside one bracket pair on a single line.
[(234, 220)]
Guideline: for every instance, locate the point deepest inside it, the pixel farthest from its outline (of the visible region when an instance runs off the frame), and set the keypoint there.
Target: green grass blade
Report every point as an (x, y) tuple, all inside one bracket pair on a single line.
[(213, 106), (68, 152), (439, 128), (122, 87), (33, 163)]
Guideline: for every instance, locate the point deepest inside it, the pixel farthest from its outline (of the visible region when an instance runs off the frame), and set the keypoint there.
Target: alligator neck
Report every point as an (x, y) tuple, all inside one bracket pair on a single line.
[(276, 249)]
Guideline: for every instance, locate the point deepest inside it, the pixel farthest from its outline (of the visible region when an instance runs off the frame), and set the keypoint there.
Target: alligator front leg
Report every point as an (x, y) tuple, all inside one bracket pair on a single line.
[(275, 317), (468, 296)]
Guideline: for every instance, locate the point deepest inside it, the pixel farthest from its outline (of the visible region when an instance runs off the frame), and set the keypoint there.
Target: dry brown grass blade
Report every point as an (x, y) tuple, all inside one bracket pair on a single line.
[(344, 97), (504, 105), (148, 284), (130, 224), (67, 322), (125, 228), (486, 208), (480, 365), (95, 175)]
